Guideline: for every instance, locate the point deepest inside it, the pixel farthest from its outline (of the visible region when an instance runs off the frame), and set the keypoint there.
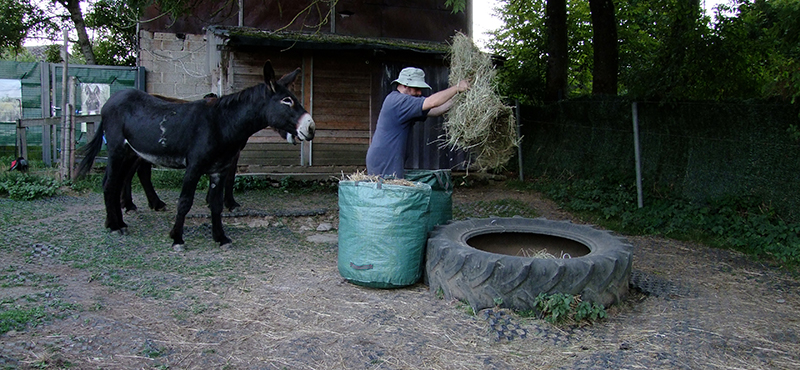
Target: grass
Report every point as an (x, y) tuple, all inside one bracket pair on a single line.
[(142, 262), (738, 223)]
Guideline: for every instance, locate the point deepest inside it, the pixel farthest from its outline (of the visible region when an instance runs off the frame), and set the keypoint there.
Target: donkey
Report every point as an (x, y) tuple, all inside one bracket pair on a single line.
[(203, 138), (144, 170)]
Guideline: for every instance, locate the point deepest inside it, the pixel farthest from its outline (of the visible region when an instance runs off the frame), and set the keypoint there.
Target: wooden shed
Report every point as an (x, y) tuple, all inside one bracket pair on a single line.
[(348, 59)]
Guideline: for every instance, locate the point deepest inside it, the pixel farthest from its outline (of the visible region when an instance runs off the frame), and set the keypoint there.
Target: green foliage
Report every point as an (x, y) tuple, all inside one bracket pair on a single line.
[(741, 223), (457, 5), (589, 311), (23, 186), (18, 19), (668, 50), (115, 40), (559, 308), (522, 42), (91, 182)]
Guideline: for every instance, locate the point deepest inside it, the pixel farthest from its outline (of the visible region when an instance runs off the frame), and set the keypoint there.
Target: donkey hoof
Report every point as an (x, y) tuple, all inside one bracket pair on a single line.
[(179, 248), (120, 232), (158, 207), (226, 246)]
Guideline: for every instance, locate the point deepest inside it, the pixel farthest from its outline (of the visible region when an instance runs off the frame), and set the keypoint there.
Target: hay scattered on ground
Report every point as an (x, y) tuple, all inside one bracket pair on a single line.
[(542, 253), (478, 121), (361, 176)]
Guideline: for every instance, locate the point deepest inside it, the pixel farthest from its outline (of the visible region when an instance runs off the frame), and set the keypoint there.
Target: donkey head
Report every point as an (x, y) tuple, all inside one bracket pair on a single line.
[(284, 111)]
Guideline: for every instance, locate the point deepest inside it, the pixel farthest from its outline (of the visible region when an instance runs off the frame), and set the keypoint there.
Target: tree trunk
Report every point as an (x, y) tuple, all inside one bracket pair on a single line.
[(557, 58), (74, 9), (606, 47)]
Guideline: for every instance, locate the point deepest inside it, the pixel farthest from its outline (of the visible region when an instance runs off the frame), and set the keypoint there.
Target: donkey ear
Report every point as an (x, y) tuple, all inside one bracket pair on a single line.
[(289, 78), (269, 75)]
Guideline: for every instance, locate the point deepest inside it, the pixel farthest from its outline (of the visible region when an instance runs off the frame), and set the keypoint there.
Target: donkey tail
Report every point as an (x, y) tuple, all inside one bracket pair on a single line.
[(90, 151)]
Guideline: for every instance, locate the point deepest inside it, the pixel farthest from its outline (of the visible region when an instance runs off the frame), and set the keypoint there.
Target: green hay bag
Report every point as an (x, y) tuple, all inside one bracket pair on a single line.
[(383, 230), (441, 183)]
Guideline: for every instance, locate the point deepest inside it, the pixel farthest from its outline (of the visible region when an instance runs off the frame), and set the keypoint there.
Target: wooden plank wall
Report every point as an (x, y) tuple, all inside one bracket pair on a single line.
[(341, 109)]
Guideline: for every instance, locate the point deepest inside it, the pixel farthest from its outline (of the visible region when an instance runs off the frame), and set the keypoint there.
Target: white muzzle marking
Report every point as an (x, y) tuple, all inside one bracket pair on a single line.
[(305, 127)]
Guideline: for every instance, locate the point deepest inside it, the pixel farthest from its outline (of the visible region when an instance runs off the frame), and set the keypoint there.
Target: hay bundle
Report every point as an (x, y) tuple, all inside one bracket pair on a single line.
[(478, 121), (361, 176)]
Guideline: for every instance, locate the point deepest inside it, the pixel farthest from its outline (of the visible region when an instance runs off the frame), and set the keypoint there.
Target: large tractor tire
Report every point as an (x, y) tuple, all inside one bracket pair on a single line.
[(484, 279)]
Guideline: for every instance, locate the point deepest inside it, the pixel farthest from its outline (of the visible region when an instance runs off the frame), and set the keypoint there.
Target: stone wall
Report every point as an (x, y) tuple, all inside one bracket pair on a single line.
[(176, 64)]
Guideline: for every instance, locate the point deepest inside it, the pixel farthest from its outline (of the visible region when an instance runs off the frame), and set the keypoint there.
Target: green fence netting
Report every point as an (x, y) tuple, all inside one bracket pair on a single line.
[(700, 151), (38, 80)]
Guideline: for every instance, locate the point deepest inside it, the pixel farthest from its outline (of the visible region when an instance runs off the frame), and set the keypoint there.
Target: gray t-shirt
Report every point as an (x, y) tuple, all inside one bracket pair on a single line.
[(387, 153)]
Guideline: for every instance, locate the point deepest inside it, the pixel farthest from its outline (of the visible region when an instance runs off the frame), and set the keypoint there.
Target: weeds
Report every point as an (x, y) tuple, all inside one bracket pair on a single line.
[(740, 223), (23, 186), (561, 308)]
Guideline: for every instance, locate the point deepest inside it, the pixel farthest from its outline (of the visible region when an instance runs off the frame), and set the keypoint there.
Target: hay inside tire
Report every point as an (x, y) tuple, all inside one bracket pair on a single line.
[(481, 278)]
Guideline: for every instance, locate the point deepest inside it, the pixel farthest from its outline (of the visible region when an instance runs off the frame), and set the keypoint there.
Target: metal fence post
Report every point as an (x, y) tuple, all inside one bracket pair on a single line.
[(637, 154)]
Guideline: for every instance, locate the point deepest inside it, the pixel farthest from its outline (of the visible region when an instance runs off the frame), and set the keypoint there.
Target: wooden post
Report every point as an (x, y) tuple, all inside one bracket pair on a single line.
[(64, 159), (71, 127), (22, 140)]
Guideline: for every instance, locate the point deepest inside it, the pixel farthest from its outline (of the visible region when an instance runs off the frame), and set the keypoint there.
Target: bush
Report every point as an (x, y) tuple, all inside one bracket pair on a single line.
[(23, 186)]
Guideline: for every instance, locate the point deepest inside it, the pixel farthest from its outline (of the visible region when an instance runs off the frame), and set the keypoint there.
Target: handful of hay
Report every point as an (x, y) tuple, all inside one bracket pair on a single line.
[(478, 121), (361, 176)]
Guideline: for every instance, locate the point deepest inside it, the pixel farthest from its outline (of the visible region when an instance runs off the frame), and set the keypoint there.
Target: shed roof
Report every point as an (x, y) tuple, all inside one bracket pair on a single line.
[(246, 36)]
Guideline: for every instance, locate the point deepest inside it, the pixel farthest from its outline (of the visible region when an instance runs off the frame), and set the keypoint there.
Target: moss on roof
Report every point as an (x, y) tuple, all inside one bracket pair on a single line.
[(245, 36)]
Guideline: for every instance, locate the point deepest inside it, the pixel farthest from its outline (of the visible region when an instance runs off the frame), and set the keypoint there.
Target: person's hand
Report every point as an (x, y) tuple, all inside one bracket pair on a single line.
[(462, 86)]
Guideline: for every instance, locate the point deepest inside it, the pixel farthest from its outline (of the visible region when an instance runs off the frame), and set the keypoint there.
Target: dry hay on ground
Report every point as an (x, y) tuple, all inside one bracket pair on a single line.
[(478, 121), (361, 176)]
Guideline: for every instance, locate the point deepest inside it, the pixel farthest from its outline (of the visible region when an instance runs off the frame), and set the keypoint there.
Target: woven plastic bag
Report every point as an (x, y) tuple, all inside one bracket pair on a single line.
[(441, 183), (383, 230)]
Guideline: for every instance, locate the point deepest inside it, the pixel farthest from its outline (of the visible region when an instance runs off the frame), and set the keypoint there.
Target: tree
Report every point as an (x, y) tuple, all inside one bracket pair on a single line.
[(606, 48), (115, 39), (74, 9), (17, 21), (557, 58)]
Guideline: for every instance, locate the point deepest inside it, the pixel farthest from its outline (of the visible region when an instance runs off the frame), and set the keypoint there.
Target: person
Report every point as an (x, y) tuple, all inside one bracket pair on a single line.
[(401, 109)]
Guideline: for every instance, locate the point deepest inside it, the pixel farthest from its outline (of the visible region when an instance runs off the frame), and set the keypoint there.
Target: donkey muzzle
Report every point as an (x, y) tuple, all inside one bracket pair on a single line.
[(305, 127)]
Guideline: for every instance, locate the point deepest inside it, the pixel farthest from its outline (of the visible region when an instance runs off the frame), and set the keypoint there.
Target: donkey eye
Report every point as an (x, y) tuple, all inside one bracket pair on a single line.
[(288, 101)]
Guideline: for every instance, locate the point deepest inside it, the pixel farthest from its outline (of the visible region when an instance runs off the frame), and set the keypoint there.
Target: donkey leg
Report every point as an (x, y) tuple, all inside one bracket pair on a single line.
[(185, 201), (146, 178), (230, 178), (112, 190), (126, 199), (215, 190)]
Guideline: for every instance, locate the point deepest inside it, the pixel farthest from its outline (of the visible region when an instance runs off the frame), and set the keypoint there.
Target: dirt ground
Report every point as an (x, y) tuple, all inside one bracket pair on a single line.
[(276, 300)]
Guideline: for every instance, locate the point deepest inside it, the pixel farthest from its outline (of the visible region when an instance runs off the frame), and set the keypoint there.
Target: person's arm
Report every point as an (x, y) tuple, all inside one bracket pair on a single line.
[(444, 96), (440, 110)]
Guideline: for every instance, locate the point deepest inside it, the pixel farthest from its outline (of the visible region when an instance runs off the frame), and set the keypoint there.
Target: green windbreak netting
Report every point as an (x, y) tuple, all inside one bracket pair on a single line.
[(23, 85), (94, 80), (29, 75), (698, 150)]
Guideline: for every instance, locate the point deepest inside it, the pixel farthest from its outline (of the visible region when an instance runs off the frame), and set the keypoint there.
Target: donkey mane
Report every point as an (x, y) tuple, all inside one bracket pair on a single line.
[(251, 95)]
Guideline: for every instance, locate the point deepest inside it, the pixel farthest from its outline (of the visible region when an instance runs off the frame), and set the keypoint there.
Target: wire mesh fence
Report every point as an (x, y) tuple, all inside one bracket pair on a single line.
[(699, 151)]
